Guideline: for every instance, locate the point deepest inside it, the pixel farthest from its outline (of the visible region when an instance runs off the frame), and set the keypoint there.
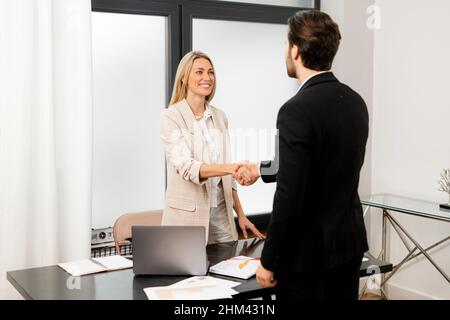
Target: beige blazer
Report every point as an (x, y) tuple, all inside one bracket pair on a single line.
[(187, 197)]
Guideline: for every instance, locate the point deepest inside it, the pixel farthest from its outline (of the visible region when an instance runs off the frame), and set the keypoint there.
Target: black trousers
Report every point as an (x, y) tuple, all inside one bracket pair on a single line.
[(340, 283)]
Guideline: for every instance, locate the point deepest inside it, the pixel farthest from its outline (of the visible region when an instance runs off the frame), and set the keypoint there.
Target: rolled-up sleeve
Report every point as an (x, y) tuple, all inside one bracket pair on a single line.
[(233, 184), (178, 153)]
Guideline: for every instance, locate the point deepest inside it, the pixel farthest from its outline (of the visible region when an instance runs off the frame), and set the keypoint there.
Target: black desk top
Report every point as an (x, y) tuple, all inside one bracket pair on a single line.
[(52, 282)]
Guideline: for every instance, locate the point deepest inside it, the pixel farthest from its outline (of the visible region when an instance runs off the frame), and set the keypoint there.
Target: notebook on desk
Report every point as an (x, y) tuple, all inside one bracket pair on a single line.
[(238, 267), (95, 265)]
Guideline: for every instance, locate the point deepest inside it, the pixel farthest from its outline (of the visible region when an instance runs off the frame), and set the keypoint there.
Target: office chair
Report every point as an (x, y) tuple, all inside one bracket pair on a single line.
[(122, 226)]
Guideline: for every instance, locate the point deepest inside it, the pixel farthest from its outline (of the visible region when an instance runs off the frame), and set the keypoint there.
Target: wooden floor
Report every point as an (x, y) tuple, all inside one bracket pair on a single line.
[(371, 296)]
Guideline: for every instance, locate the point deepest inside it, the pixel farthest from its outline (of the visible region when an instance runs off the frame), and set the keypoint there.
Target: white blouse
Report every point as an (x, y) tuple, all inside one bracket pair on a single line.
[(219, 226), (206, 124)]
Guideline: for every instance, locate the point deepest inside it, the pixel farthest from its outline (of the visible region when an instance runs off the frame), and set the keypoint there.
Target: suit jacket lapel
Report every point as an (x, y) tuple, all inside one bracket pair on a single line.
[(187, 115), (194, 131)]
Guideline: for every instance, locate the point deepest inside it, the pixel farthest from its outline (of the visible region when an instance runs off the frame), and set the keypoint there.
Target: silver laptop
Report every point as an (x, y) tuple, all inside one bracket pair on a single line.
[(169, 250)]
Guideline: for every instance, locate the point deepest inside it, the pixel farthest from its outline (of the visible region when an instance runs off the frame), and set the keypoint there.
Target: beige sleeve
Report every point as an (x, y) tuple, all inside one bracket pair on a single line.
[(177, 150), (234, 184)]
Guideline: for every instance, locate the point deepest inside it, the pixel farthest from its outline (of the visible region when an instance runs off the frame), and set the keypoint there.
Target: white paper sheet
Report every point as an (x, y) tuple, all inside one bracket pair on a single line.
[(205, 281), (194, 288), (195, 292)]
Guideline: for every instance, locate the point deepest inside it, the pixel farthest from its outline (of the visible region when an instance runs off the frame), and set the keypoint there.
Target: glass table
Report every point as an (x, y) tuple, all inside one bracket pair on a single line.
[(424, 209)]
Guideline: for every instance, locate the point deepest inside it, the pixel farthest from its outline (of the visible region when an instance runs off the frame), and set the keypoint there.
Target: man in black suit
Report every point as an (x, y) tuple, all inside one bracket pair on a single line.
[(316, 237)]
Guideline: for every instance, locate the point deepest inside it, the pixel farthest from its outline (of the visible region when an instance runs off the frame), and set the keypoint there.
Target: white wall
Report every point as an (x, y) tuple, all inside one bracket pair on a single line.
[(401, 71), (411, 133)]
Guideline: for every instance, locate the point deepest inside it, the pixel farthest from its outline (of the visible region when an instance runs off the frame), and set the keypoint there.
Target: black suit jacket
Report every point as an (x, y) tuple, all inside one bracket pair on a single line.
[(317, 218)]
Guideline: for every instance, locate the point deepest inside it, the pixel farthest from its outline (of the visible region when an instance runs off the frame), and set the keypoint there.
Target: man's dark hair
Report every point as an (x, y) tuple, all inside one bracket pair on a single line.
[(317, 36)]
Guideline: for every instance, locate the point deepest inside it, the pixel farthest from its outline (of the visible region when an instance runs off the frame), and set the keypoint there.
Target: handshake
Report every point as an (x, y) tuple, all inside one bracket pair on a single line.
[(246, 173)]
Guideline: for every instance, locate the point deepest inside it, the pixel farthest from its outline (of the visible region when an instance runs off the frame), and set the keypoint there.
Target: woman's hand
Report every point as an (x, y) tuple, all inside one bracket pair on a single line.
[(218, 170), (234, 168), (245, 224)]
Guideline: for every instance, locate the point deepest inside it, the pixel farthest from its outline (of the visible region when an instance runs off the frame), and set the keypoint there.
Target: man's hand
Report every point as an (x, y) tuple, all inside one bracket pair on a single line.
[(247, 174), (265, 277)]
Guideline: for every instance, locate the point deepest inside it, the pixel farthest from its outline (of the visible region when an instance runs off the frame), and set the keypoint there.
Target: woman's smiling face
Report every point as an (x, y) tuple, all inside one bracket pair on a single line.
[(201, 78)]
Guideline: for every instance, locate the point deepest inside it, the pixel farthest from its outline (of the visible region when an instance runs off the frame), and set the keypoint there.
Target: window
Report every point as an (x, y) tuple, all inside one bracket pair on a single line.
[(251, 86)]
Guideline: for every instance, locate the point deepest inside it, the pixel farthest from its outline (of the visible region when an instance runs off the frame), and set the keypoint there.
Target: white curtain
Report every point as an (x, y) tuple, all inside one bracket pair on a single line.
[(45, 134)]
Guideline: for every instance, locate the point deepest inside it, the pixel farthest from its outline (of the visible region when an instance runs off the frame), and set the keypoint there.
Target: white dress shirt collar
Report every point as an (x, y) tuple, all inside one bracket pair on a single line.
[(304, 82), (206, 114)]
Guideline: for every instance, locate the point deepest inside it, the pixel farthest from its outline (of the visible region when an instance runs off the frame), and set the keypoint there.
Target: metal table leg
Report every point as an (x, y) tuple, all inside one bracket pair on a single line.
[(383, 253), (418, 246)]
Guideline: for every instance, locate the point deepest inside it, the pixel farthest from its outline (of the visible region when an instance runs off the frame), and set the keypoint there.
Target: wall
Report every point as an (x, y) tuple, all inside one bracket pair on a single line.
[(411, 129), (403, 82)]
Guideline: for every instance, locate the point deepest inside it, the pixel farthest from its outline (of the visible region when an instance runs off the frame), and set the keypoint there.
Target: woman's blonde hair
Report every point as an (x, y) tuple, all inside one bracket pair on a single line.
[(180, 85)]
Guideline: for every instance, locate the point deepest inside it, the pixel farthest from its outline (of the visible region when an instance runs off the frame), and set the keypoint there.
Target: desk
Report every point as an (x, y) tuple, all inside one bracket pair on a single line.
[(428, 210), (51, 282)]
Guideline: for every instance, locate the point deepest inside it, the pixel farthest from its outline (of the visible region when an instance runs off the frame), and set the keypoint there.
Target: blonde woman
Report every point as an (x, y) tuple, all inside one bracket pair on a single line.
[(200, 186)]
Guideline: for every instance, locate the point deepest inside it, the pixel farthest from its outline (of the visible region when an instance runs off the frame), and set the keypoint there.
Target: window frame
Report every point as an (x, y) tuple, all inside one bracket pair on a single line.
[(231, 11)]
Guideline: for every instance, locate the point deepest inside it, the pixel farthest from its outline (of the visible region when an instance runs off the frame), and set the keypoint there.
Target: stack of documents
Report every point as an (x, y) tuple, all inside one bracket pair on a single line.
[(194, 288), (239, 267), (94, 265)]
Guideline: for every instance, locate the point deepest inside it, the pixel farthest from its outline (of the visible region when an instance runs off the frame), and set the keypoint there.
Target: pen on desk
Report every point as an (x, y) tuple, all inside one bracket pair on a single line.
[(243, 264), (244, 258)]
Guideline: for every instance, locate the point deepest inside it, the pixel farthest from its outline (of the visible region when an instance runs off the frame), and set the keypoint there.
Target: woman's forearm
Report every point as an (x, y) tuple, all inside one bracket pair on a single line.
[(237, 204), (217, 170)]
